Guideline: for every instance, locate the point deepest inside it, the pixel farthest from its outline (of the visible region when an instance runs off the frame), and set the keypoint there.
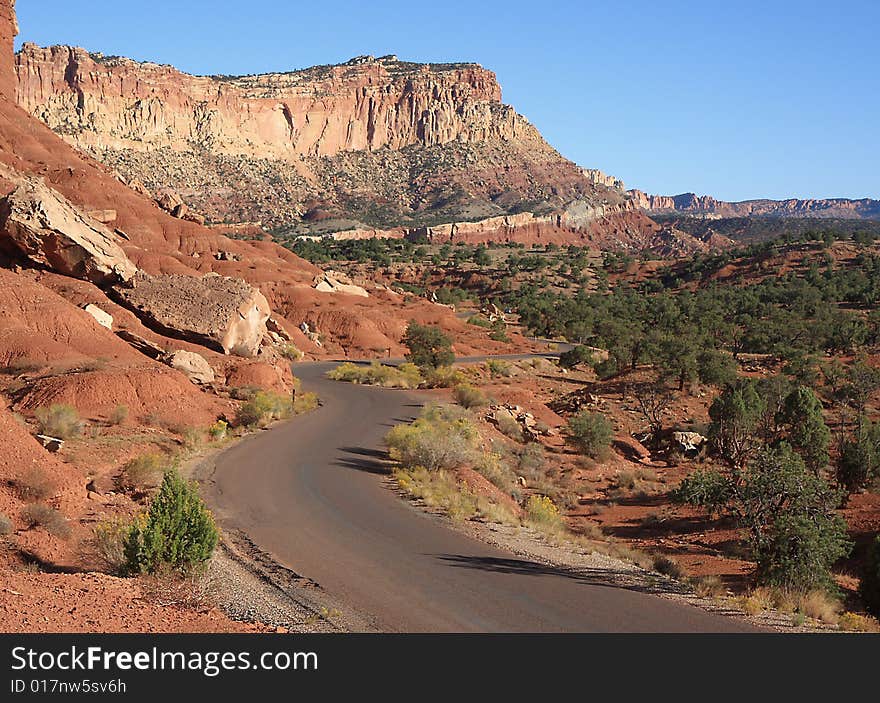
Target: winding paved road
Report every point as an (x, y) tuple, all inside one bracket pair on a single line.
[(310, 493)]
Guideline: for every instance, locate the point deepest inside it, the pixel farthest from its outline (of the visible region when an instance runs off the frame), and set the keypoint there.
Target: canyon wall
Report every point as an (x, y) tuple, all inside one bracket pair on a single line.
[(707, 206), (367, 103)]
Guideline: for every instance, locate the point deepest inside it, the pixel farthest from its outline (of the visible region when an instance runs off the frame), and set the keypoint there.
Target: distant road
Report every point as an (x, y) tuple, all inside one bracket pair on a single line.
[(310, 493)]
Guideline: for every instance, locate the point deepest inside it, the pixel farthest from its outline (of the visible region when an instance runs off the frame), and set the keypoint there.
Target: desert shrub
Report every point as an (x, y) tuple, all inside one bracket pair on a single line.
[(499, 332), (263, 408), (509, 427), (178, 533), (61, 421), (119, 415), (591, 433), (107, 545), (541, 512), (192, 437), (870, 584), (530, 459), (575, 356), (443, 377), (47, 517), (143, 472), (668, 567), (854, 622), (496, 471), (243, 392), (606, 368), (305, 402), (5, 525), (479, 321), (377, 374), (468, 396), (35, 483), (290, 352), (498, 368), (857, 461), (440, 439), (708, 586), (218, 431)]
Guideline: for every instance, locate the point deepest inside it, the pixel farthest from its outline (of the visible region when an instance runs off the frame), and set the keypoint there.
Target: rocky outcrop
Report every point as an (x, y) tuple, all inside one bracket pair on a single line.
[(219, 312), (600, 178), (102, 317), (366, 103), (707, 206), (8, 32), (335, 282), (50, 231)]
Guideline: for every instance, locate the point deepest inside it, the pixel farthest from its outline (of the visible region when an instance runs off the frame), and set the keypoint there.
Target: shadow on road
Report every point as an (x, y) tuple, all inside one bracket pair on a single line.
[(373, 461)]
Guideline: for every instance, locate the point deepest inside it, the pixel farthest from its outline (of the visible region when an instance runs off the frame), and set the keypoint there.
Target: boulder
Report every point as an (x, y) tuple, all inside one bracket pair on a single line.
[(194, 366), (275, 327), (103, 318), (52, 232), (222, 313), (689, 441), (334, 282)]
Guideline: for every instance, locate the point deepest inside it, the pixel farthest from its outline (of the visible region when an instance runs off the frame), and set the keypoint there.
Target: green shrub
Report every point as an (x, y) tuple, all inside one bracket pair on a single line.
[(428, 346), (47, 517), (440, 490), (142, 473), (305, 402), (498, 368), (377, 374), (443, 377), (479, 321), (178, 533), (263, 408), (870, 585), (61, 421), (440, 439), (468, 396), (499, 332), (591, 433), (576, 356)]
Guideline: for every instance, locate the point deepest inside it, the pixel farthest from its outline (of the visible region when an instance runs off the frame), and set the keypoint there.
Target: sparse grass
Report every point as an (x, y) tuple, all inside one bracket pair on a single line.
[(142, 473), (530, 460), (5, 525), (193, 438), (47, 517), (34, 484), (468, 396), (119, 415), (60, 421), (193, 589), (708, 586), (497, 472), (377, 374), (817, 605), (439, 489)]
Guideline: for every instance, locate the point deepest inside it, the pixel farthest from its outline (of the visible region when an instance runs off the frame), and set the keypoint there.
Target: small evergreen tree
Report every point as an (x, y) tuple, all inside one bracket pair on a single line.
[(591, 433), (807, 432), (870, 586), (736, 415), (177, 533), (428, 346)]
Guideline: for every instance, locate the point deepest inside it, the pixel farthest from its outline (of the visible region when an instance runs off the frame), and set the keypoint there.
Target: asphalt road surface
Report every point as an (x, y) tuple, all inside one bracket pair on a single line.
[(311, 493)]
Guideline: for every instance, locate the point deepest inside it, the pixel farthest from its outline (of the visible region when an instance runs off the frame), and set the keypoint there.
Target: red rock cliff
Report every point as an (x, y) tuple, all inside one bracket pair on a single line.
[(366, 103), (8, 30)]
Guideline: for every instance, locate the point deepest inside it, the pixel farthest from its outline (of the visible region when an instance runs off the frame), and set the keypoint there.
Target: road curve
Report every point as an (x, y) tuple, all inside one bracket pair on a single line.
[(310, 493)]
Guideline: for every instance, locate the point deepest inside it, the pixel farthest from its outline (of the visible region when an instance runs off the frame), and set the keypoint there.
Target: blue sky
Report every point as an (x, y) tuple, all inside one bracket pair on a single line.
[(779, 98)]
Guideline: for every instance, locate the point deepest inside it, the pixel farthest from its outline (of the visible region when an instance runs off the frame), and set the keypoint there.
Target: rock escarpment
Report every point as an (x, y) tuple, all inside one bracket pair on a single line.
[(707, 206), (375, 143)]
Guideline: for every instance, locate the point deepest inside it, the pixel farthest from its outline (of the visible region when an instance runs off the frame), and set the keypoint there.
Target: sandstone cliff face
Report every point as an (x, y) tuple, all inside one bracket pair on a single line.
[(371, 144), (364, 104), (707, 206), (8, 32)]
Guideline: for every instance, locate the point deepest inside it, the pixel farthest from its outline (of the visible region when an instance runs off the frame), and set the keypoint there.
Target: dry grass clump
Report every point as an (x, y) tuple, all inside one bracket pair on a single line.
[(47, 517), (35, 483), (663, 564), (708, 586), (468, 396), (142, 473), (262, 408), (60, 421), (119, 415), (817, 605), (442, 438)]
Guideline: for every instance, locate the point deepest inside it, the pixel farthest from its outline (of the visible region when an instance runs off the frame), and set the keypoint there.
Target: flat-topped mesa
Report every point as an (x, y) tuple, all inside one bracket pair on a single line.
[(707, 206), (367, 103)]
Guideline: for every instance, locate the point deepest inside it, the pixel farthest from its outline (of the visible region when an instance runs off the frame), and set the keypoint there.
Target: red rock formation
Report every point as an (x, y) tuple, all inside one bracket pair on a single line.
[(706, 205), (364, 104)]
